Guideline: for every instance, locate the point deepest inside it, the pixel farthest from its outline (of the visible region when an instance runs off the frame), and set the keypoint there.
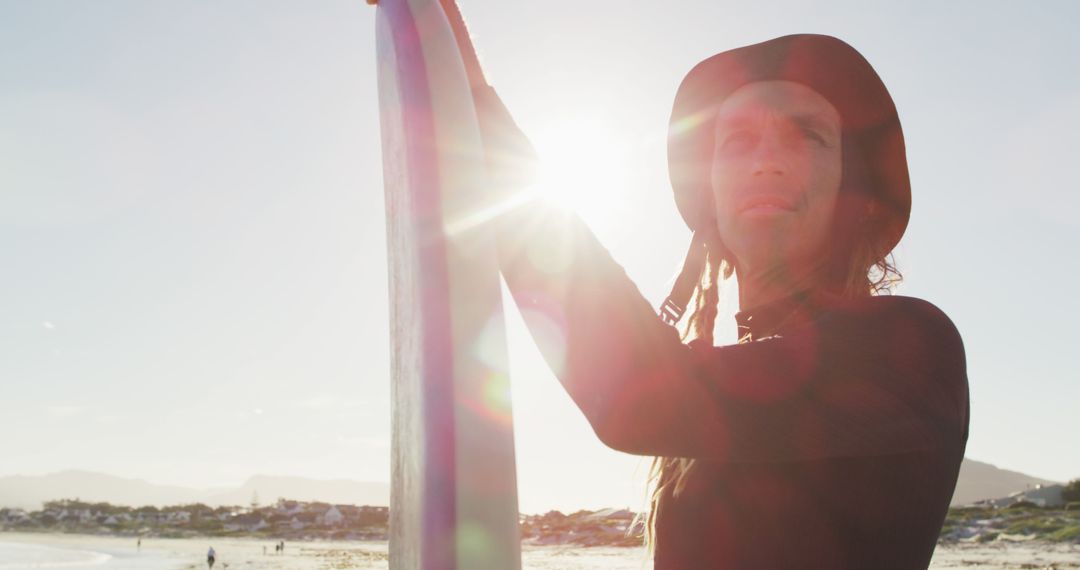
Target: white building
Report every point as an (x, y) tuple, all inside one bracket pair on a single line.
[(333, 517), (1041, 495)]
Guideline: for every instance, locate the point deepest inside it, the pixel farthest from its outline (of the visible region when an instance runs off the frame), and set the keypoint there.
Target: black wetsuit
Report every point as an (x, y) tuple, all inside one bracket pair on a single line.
[(832, 439)]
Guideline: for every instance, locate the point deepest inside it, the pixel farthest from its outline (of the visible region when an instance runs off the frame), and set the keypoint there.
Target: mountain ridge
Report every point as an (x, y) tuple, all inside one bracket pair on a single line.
[(30, 491), (977, 480)]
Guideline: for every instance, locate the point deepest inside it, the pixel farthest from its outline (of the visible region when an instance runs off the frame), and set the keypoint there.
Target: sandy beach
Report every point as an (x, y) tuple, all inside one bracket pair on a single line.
[(22, 551), (1005, 555), (74, 551)]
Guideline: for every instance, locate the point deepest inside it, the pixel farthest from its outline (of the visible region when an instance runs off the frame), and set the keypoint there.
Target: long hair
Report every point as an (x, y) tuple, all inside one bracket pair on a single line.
[(855, 271)]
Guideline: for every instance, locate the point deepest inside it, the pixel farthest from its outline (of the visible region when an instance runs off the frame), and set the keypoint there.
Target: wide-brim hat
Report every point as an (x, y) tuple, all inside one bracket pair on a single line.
[(870, 128)]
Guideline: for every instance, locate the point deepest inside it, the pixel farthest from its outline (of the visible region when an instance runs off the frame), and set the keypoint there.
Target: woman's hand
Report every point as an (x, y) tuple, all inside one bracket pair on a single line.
[(511, 159)]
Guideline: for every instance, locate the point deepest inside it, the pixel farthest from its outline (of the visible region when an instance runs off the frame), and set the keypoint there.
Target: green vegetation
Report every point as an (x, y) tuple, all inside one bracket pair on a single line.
[(1071, 492), (284, 520), (987, 537), (1019, 521), (1067, 534)]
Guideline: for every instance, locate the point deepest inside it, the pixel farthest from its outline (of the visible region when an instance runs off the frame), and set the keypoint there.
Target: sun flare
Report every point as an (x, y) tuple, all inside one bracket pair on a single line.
[(583, 165)]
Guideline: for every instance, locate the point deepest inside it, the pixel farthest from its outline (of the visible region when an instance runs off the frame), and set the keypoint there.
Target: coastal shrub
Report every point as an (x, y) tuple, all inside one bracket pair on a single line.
[(1022, 505), (1073, 506), (1071, 492), (208, 526), (1067, 534), (1035, 525), (970, 512), (987, 537)]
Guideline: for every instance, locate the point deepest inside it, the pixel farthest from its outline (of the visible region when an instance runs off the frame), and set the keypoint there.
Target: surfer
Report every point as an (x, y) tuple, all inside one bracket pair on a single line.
[(831, 434)]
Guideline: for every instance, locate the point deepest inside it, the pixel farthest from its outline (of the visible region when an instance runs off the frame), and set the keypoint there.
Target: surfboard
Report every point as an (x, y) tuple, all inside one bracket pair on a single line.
[(453, 499)]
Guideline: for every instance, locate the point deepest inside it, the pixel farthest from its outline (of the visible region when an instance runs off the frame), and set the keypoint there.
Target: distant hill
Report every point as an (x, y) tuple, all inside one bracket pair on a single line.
[(977, 481), (300, 489), (980, 480), (30, 492)]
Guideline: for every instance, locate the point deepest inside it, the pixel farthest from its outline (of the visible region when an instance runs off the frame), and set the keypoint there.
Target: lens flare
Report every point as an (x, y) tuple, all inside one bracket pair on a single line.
[(583, 167)]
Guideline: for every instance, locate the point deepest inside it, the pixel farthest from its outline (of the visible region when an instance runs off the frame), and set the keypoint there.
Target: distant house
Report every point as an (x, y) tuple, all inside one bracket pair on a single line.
[(279, 521), (14, 516), (147, 515), (333, 517), (1046, 495), (1041, 495), (285, 522), (349, 512), (286, 507), (249, 523)]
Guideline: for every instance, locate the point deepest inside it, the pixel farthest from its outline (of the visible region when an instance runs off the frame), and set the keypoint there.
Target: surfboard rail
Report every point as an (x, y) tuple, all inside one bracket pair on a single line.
[(453, 480)]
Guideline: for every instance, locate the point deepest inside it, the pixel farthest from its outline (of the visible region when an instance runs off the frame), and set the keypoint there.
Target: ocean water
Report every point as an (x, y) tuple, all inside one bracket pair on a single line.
[(16, 555), (72, 556)]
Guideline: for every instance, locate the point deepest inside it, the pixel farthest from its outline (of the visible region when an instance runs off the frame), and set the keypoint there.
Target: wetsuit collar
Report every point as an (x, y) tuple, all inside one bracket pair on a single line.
[(769, 318)]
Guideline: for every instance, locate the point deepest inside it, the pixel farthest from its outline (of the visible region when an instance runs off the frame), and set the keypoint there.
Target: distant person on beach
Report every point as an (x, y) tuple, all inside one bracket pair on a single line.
[(138, 544), (831, 434), (210, 557)]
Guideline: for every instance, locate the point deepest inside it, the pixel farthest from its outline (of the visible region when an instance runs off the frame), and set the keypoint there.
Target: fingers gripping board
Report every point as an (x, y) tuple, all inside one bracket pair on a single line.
[(453, 501)]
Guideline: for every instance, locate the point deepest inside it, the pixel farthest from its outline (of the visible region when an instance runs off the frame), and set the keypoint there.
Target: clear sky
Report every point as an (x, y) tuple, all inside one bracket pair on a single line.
[(192, 235)]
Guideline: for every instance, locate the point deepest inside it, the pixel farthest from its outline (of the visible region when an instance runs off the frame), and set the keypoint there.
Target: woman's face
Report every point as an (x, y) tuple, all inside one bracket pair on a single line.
[(776, 174)]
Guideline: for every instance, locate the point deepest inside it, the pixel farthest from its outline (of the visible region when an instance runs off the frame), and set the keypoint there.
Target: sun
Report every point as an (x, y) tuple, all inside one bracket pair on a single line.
[(583, 166)]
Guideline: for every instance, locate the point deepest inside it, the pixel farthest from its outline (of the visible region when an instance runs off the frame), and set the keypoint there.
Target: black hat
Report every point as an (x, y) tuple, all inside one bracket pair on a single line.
[(870, 128)]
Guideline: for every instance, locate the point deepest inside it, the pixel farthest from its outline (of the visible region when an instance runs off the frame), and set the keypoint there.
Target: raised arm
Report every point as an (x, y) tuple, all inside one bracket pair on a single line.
[(881, 376)]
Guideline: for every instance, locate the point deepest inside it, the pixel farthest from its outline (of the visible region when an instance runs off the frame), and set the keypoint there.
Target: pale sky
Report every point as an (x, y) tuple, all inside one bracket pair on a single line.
[(193, 243)]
